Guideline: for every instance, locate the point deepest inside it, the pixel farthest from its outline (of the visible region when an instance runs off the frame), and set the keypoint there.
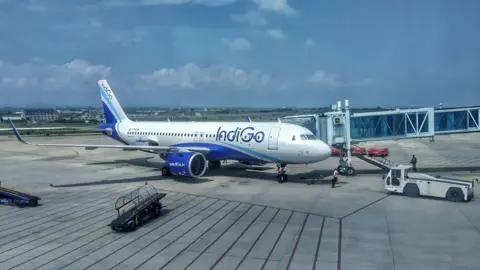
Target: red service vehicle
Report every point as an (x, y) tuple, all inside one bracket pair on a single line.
[(378, 152), (359, 151), (335, 151), (355, 151)]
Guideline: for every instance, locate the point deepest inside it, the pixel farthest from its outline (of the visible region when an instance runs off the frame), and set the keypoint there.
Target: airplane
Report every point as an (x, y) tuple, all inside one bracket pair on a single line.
[(190, 148)]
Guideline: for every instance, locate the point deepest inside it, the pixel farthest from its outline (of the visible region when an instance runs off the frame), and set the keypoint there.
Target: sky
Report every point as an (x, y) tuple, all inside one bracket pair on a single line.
[(256, 53)]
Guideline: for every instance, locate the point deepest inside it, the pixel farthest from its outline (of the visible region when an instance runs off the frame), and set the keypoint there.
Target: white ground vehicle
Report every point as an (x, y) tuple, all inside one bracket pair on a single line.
[(401, 180)]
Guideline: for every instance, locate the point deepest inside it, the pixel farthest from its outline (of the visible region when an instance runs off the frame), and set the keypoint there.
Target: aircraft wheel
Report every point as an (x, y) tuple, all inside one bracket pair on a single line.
[(214, 164), (165, 171)]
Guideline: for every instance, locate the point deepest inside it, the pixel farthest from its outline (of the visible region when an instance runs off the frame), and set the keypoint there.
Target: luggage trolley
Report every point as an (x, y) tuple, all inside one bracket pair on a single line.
[(18, 198), (136, 208)]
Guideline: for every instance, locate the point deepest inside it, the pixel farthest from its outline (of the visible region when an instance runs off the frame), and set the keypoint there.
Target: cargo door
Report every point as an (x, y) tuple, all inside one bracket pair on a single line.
[(273, 138)]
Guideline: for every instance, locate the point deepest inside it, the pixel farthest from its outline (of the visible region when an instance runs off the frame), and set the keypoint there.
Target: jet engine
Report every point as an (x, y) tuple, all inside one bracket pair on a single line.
[(191, 164)]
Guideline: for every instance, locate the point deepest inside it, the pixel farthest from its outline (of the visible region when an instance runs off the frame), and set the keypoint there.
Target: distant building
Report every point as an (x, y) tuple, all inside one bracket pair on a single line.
[(5, 119), (40, 114)]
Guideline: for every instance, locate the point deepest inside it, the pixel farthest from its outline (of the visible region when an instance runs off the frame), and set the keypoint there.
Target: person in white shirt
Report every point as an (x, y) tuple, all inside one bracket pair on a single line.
[(334, 177)]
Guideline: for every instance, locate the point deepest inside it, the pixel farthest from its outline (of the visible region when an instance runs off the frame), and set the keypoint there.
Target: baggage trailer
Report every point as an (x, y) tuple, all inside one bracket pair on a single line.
[(400, 179), (18, 198), (137, 207)]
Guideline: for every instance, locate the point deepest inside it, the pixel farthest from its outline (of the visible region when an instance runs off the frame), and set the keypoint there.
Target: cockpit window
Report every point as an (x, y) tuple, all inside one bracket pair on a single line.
[(308, 137)]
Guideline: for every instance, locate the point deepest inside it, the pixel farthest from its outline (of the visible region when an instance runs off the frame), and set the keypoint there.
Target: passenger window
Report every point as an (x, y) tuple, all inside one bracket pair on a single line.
[(293, 138)]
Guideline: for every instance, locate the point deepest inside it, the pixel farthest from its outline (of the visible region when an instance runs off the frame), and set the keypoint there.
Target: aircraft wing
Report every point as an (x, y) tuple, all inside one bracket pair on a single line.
[(125, 147)]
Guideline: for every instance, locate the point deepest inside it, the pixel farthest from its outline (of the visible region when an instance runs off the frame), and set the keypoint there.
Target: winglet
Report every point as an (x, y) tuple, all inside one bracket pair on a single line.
[(249, 119), (17, 134)]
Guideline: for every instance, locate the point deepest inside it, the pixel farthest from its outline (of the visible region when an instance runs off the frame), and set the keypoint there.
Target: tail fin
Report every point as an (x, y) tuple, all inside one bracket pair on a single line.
[(112, 109)]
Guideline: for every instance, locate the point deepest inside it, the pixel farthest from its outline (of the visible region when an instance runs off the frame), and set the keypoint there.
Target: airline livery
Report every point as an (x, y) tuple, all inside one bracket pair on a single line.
[(190, 148)]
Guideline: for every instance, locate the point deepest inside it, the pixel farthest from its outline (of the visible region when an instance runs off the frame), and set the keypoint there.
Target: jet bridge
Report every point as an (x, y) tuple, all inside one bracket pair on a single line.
[(344, 127)]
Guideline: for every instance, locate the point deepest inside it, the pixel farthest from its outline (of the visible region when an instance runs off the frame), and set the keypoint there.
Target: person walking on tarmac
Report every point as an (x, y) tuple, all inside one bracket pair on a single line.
[(414, 163), (334, 177)]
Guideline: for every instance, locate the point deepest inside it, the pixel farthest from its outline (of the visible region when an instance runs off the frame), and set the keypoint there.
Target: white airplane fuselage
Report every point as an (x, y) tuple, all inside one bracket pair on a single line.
[(271, 142)]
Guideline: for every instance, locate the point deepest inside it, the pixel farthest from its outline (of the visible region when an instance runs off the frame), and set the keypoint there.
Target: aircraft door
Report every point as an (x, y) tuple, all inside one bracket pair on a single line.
[(273, 138)]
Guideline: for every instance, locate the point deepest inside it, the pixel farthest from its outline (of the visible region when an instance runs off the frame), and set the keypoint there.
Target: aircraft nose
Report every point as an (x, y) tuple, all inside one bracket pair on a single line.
[(324, 150)]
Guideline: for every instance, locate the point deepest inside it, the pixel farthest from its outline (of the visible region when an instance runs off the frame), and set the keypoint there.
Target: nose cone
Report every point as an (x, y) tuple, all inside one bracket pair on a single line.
[(323, 150)]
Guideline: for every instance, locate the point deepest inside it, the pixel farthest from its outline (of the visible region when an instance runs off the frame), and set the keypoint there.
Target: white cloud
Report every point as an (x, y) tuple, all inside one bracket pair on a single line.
[(323, 78), (275, 33), (68, 76), (238, 44), (253, 18), (309, 43), (277, 6), (192, 76)]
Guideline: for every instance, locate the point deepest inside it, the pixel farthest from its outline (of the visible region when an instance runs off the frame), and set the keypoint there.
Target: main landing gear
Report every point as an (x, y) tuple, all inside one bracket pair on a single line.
[(166, 172), (282, 175), (214, 164)]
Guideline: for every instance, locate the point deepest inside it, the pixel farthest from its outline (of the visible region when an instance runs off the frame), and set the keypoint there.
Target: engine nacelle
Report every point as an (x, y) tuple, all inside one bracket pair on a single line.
[(191, 164)]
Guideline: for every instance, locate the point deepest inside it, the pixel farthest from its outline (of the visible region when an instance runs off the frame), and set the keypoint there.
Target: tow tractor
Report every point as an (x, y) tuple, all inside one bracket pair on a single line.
[(401, 180), (137, 207)]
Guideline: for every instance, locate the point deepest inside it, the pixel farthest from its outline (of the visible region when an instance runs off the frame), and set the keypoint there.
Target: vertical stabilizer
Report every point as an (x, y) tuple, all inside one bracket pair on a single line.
[(112, 109)]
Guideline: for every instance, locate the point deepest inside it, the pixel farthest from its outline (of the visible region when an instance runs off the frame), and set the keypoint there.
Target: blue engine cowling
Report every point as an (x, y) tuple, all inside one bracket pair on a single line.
[(191, 164)]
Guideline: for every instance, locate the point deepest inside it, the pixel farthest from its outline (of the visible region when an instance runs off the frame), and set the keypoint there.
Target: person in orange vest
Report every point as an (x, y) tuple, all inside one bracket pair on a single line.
[(334, 177)]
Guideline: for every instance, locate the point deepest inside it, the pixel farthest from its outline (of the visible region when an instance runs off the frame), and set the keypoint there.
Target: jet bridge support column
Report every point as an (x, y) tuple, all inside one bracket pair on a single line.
[(348, 138), (338, 134)]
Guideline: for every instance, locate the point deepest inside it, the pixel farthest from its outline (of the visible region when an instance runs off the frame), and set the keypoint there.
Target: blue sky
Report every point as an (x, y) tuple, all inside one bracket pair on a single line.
[(259, 53)]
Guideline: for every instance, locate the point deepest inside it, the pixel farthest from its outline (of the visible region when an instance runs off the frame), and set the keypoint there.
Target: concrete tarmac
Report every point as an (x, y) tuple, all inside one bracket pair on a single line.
[(237, 217)]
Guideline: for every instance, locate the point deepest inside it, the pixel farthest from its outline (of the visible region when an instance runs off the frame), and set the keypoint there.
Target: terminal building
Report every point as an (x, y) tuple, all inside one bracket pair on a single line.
[(49, 115)]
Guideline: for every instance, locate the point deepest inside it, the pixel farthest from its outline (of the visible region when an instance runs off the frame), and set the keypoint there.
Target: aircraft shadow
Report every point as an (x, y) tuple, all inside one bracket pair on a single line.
[(267, 172), (145, 179)]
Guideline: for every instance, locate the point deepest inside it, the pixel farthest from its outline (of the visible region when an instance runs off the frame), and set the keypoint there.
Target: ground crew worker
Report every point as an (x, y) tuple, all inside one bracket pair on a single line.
[(414, 163), (334, 177)]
